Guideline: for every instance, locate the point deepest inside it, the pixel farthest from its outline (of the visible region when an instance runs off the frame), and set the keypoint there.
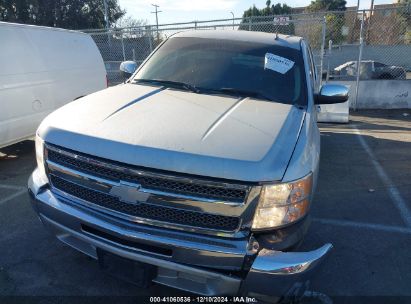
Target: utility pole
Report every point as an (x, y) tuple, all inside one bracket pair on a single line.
[(106, 20), (233, 18), (371, 13), (156, 12), (356, 20), (372, 5), (359, 60)]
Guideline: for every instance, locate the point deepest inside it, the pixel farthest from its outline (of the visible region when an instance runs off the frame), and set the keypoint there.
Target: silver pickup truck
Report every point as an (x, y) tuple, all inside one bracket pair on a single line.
[(198, 172)]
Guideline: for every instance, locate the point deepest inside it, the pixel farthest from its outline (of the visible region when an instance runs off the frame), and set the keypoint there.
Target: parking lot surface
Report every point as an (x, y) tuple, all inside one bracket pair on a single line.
[(362, 206)]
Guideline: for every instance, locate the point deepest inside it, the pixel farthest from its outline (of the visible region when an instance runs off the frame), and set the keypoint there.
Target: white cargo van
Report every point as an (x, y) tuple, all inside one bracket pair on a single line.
[(42, 69)]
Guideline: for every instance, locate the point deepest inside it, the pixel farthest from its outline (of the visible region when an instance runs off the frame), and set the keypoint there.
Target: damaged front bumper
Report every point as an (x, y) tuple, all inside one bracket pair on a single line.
[(276, 273), (199, 264)]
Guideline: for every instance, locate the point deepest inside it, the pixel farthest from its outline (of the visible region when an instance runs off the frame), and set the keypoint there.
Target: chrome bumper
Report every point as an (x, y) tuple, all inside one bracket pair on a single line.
[(272, 273)]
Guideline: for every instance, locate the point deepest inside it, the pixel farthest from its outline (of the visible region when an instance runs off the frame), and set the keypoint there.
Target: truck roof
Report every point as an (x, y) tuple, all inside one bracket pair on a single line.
[(249, 36)]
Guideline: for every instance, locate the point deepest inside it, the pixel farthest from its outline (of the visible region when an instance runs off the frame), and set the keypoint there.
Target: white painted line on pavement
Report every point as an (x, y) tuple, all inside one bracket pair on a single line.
[(11, 187), (393, 192), (344, 223), (14, 195)]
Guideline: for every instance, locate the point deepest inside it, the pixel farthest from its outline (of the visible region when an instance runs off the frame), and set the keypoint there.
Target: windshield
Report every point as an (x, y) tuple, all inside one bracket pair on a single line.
[(229, 67)]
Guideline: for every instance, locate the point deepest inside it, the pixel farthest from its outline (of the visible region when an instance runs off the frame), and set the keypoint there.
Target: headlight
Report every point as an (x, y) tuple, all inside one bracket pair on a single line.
[(40, 159), (282, 204)]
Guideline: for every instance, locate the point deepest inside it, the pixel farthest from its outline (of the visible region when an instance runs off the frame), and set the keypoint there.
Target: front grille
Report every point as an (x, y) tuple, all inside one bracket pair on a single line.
[(159, 183), (147, 211)]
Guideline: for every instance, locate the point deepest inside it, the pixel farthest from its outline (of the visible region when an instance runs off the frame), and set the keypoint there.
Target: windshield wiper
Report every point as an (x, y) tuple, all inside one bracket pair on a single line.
[(170, 83), (244, 93), (191, 88)]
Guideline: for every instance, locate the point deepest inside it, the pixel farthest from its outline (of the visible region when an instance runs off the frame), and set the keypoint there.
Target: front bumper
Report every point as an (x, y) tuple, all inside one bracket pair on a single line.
[(200, 264)]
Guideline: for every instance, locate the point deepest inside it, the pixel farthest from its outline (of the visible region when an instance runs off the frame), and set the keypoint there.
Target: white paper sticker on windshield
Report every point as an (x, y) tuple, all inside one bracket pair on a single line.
[(277, 63)]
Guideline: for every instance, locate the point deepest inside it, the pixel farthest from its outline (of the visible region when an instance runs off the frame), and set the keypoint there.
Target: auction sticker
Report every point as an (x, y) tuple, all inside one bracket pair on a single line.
[(277, 63)]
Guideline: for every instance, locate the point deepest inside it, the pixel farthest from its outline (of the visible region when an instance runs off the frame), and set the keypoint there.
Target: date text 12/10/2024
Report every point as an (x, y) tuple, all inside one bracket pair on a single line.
[(202, 299)]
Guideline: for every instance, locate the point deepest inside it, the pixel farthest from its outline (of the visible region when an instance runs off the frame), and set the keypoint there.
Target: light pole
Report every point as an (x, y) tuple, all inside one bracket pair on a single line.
[(106, 20), (106, 13), (156, 12), (233, 18)]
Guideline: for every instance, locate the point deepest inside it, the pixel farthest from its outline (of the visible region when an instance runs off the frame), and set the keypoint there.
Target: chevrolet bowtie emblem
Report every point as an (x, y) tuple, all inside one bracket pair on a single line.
[(129, 193)]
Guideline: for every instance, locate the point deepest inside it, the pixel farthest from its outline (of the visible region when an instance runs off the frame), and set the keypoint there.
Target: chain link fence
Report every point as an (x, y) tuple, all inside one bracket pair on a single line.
[(383, 36), (347, 45), (369, 45), (117, 45)]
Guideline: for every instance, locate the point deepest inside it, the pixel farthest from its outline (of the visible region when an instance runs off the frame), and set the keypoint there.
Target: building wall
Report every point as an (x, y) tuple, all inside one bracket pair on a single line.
[(380, 94)]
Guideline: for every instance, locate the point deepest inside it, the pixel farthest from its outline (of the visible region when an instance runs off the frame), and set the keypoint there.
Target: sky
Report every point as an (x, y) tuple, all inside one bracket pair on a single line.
[(190, 10)]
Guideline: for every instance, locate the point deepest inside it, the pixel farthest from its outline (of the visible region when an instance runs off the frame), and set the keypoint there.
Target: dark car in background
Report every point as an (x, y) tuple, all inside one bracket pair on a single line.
[(369, 69)]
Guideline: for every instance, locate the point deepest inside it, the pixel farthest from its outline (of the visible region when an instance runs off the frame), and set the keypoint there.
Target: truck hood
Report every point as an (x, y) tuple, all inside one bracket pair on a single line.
[(209, 135)]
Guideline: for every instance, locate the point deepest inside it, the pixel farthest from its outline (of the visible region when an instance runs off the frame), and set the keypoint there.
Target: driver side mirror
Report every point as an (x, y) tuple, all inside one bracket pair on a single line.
[(127, 68), (331, 93)]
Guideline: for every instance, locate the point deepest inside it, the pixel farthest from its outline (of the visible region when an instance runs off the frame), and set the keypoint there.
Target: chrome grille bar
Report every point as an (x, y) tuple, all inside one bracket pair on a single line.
[(172, 185), (146, 211)]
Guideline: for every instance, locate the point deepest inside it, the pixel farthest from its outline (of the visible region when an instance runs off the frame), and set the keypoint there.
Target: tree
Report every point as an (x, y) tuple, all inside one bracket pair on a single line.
[(405, 19), (277, 9), (405, 10), (71, 14), (327, 5), (128, 21), (404, 2), (129, 27), (267, 16), (15, 10), (335, 21)]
